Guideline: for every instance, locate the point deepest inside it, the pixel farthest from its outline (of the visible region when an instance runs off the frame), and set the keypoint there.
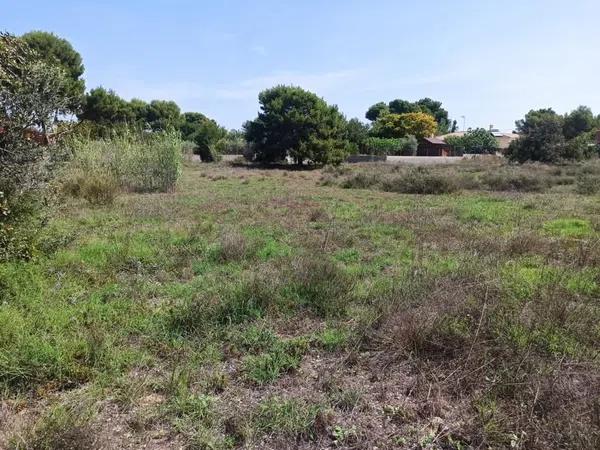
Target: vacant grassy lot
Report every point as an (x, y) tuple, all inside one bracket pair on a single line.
[(276, 309)]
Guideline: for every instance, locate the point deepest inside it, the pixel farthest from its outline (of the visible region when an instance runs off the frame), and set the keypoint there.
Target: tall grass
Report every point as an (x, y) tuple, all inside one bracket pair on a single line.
[(138, 162)]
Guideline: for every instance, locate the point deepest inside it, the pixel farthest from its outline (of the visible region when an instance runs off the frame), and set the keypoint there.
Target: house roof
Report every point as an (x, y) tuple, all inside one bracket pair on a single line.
[(436, 141), (456, 133)]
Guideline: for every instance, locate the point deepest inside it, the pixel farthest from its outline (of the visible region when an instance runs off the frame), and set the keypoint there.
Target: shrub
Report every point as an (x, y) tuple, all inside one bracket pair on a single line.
[(232, 144), (32, 95), (419, 181), (391, 146), (514, 182), (361, 180), (587, 185), (99, 188), (477, 141)]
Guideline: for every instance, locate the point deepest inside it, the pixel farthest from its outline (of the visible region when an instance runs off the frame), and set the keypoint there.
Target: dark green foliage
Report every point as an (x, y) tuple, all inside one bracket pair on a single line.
[(205, 133), (581, 147), (190, 124), (477, 141), (162, 115), (434, 108), (55, 50), (400, 106), (357, 134), (378, 109), (549, 137), (541, 137), (107, 111), (298, 124), (579, 121), (425, 105), (391, 146), (104, 107)]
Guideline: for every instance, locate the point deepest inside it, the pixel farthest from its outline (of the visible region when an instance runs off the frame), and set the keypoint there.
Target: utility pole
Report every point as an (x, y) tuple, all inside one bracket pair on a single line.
[(464, 123)]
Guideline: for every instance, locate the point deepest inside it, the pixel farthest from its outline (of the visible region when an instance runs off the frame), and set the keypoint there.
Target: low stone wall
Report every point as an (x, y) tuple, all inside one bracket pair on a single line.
[(365, 158)]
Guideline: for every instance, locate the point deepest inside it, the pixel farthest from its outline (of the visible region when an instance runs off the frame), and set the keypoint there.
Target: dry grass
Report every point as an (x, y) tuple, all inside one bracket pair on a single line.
[(260, 309)]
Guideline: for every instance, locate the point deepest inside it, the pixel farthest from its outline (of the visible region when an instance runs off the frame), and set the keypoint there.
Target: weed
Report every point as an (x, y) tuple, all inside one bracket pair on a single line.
[(332, 339), (320, 284), (293, 418), (65, 426), (346, 399), (232, 247), (283, 356)]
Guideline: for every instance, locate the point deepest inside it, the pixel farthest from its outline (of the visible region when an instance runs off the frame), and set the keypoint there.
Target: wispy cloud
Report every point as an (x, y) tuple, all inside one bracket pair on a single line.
[(259, 50), (317, 82)]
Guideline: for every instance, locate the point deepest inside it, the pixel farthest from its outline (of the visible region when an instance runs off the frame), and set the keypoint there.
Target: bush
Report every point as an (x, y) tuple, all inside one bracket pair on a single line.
[(390, 146), (232, 144), (419, 181), (99, 189), (360, 180), (514, 182), (478, 141), (208, 153), (587, 185)]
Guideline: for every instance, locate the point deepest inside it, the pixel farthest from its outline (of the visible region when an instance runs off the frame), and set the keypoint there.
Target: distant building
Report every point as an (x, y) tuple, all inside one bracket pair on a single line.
[(503, 139), (433, 147)]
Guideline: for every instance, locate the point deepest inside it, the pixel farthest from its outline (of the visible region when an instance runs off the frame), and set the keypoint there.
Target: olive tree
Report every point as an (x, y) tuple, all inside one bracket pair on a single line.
[(32, 95)]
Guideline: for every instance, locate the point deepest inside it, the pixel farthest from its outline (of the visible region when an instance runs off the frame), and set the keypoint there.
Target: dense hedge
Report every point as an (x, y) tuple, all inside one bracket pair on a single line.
[(391, 146)]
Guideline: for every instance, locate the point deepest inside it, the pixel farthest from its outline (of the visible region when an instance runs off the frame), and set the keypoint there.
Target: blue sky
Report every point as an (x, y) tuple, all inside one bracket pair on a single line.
[(490, 61)]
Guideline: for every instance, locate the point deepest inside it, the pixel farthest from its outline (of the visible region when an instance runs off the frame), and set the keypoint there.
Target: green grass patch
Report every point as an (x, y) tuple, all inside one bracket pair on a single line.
[(288, 417), (573, 228)]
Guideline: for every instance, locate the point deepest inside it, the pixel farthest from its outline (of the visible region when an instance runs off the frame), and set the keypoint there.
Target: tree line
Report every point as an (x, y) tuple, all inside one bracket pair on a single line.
[(298, 125)]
